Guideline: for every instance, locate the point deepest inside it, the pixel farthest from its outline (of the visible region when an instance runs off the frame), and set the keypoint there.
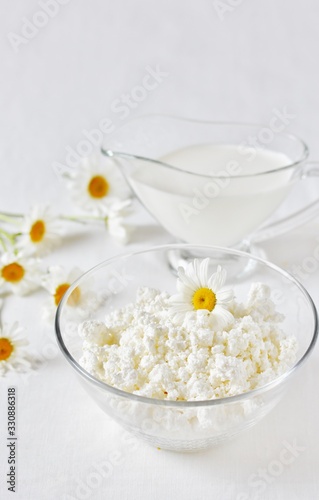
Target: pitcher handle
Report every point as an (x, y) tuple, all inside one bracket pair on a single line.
[(296, 219)]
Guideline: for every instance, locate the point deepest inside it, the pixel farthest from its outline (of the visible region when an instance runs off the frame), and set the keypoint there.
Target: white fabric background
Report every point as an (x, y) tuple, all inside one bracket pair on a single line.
[(263, 55)]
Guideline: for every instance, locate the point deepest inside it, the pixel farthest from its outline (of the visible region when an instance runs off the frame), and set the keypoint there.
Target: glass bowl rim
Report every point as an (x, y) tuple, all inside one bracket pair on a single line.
[(184, 404), (109, 152)]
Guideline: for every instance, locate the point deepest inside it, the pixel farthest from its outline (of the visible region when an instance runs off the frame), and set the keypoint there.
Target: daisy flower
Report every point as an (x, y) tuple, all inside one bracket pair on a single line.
[(57, 282), (13, 355), (199, 291), (40, 230), (97, 183), (19, 274), (115, 222)]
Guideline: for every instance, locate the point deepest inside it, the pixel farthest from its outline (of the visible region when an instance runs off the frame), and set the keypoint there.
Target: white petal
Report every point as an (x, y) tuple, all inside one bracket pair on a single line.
[(120, 231), (223, 314), (203, 273), (217, 280), (184, 279), (224, 296), (195, 273)]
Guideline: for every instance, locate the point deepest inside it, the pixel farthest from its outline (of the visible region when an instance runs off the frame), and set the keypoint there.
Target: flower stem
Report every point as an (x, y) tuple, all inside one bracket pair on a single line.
[(10, 218), (83, 219), (10, 236), (4, 246)]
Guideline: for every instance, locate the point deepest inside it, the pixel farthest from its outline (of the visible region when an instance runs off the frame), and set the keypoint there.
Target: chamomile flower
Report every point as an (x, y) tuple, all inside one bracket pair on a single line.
[(57, 281), (13, 355), (40, 232), (199, 291), (118, 228), (97, 183), (19, 274)]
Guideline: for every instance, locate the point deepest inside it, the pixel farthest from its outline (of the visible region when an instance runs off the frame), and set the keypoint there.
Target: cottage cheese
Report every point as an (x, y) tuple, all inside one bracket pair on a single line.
[(141, 350)]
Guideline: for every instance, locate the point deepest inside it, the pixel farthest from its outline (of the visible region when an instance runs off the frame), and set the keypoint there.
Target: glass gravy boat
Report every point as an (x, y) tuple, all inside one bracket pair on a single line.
[(212, 183)]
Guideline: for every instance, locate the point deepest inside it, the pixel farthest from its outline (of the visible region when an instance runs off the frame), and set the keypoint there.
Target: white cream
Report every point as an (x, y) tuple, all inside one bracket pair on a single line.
[(197, 207)]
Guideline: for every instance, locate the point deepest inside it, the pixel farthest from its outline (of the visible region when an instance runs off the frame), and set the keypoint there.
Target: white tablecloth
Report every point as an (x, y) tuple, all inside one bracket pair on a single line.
[(226, 60)]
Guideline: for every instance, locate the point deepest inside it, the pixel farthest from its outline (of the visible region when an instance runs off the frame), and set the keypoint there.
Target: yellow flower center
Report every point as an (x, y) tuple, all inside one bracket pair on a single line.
[(12, 272), (204, 298), (98, 187), (37, 231), (74, 298), (6, 349)]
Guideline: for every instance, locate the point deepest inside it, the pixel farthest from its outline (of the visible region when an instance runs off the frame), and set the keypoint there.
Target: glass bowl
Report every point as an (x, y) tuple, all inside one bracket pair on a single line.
[(180, 425)]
